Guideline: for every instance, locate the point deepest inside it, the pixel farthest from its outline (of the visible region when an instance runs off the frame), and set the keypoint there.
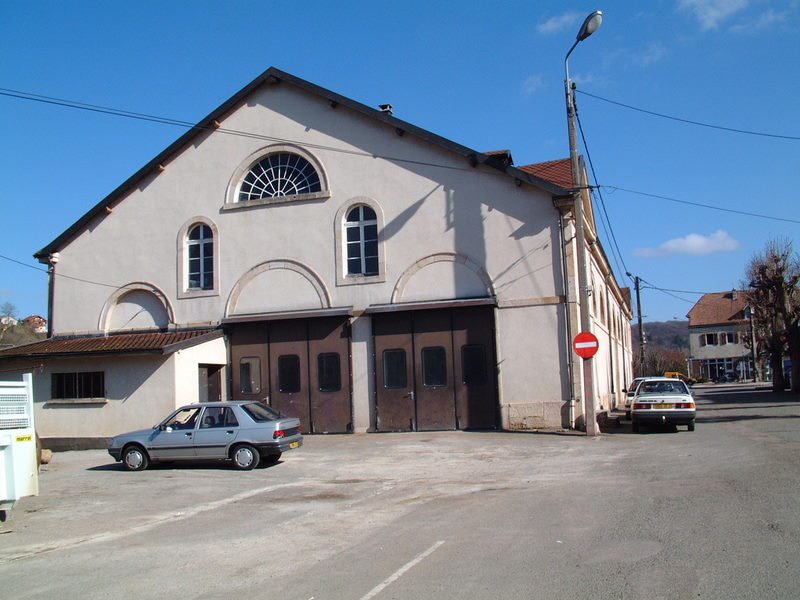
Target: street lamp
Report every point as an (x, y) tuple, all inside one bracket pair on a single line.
[(590, 25)]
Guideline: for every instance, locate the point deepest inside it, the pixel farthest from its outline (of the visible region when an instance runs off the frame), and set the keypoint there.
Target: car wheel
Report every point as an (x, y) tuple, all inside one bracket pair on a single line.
[(134, 458), (635, 427), (270, 459), (691, 426), (245, 457)]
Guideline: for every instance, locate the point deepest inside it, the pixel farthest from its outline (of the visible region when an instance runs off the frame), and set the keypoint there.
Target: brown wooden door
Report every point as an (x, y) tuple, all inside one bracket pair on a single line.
[(433, 370), (249, 364), (288, 369), (394, 372), (329, 367), (475, 368)]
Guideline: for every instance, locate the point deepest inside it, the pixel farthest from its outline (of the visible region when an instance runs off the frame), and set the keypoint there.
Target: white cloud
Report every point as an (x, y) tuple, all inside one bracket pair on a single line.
[(654, 52), (532, 84), (559, 23), (694, 244), (711, 13), (763, 21)]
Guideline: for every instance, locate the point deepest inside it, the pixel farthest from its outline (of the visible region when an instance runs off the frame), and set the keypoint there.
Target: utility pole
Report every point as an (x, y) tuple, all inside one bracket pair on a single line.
[(590, 25), (639, 321)]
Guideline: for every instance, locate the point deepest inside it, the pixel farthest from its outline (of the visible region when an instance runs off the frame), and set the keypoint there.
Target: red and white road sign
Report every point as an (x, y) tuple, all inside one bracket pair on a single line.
[(585, 344)]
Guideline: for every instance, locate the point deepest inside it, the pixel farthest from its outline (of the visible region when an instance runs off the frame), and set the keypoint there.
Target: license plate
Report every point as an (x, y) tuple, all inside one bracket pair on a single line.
[(294, 445), (663, 406)]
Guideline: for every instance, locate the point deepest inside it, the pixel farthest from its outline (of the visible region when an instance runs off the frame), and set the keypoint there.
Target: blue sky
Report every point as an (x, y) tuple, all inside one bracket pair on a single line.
[(488, 75)]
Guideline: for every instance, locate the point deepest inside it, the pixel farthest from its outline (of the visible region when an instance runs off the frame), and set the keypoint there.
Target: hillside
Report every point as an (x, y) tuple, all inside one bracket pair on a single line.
[(668, 334), (17, 335)]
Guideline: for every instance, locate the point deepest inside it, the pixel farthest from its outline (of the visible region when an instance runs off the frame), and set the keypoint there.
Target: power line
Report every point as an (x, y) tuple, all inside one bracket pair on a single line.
[(701, 205), (57, 274), (188, 125), (193, 126), (615, 246), (690, 122)]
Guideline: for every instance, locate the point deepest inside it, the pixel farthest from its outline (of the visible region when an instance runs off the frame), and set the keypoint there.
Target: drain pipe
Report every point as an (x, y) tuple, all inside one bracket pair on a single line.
[(568, 344)]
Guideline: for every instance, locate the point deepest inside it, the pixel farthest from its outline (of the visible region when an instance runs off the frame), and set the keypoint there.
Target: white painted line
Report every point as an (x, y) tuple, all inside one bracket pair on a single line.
[(147, 525), (401, 571)]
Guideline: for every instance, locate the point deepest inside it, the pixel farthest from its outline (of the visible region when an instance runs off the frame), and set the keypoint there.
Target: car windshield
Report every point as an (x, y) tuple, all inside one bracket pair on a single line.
[(261, 413), (662, 387)]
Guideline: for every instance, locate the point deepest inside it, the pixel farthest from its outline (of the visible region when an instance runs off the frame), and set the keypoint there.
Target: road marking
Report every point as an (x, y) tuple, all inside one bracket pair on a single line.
[(401, 571), (147, 525)]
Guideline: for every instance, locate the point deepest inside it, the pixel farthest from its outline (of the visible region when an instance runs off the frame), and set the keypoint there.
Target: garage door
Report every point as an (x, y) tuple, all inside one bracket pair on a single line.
[(435, 370), (300, 367)]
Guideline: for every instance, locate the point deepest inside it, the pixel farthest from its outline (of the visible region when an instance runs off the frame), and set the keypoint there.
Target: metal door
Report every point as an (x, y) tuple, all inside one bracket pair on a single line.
[(210, 383), (288, 369), (394, 372), (329, 367), (433, 370), (475, 368)]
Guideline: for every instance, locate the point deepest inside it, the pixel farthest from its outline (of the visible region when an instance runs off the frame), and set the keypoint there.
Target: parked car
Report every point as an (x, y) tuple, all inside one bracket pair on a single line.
[(630, 392), (727, 377), (243, 432), (663, 401)]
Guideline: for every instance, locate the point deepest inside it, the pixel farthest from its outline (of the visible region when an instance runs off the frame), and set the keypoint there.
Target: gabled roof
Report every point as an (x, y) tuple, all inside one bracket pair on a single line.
[(557, 172), (718, 308), (124, 343), (273, 76)]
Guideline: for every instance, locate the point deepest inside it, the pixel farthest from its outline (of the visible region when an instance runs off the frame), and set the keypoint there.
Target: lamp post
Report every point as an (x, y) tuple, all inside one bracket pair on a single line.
[(590, 25)]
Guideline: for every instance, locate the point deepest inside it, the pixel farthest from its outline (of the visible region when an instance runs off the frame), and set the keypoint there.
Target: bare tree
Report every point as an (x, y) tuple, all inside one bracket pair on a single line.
[(774, 298), (660, 359), (8, 310)]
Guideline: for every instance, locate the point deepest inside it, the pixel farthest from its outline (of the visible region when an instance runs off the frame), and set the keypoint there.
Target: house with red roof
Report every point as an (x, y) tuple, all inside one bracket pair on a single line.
[(301, 249), (718, 329)]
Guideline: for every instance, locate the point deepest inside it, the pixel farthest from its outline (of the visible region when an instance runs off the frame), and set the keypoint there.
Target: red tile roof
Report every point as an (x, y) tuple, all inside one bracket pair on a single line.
[(558, 171), (718, 308), (124, 343)]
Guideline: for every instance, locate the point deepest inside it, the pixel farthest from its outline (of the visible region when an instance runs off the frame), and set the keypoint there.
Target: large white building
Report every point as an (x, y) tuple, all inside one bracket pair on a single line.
[(336, 262)]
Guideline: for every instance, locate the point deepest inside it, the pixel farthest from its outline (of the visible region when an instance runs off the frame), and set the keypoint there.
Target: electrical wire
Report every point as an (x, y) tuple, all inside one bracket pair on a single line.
[(61, 275), (701, 205), (690, 122), (208, 128), (188, 125), (610, 230)]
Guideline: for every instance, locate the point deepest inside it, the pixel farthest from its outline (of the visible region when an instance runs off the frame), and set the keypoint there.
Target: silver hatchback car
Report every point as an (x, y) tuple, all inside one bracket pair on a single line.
[(244, 432)]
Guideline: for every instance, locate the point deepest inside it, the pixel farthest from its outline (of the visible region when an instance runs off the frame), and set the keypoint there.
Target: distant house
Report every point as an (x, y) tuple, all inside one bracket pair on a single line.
[(35, 323), (717, 330), (8, 320)]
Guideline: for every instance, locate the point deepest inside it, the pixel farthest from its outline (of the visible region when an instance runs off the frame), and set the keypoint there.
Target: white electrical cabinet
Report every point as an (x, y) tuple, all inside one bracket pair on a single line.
[(19, 468)]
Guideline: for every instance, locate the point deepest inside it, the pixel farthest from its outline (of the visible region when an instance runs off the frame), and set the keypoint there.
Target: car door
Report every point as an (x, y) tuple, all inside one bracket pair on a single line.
[(217, 429), (174, 438)]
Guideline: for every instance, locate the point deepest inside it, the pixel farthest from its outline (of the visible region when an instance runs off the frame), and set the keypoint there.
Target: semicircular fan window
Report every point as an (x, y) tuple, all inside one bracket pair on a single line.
[(277, 175)]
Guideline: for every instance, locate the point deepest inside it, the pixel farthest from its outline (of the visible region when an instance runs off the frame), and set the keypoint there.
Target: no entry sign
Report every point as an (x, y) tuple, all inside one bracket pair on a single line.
[(585, 344)]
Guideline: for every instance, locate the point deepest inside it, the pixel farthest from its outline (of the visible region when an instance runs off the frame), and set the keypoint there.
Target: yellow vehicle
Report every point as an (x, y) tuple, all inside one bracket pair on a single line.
[(679, 375)]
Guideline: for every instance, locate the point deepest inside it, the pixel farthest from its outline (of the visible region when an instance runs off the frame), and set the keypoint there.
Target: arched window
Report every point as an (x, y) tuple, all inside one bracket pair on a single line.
[(200, 257), (361, 241), (278, 175)]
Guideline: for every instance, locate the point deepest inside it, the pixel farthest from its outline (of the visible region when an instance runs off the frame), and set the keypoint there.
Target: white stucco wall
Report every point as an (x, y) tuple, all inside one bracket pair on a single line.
[(187, 382), (470, 211), (449, 231)]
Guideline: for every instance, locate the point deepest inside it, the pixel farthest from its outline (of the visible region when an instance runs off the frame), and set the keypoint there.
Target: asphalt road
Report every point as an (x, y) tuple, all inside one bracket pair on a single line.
[(667, 514)]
